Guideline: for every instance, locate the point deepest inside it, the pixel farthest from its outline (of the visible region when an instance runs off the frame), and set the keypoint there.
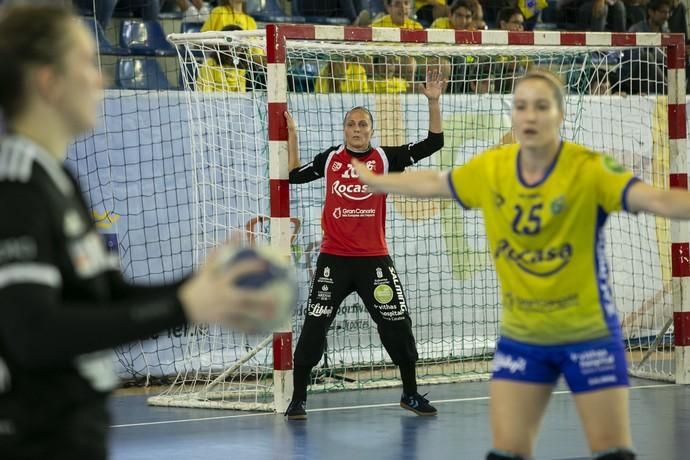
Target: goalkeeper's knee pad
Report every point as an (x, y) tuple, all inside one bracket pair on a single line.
[(495, 454), (615, 454)]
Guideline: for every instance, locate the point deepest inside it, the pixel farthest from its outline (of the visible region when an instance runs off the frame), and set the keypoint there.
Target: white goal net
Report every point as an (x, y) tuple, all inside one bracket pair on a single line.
[(617, 103)]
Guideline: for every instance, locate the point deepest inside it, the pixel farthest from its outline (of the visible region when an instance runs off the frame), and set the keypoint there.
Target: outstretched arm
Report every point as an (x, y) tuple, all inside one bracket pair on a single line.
[(673, 204), (293, 150), (420, 183), (432, 89)]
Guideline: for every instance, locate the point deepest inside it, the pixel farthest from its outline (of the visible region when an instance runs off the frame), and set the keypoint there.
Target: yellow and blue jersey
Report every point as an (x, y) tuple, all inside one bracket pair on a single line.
[(355, 80), (547, 240), (387, 21), (442, 23), (214, 77), (222, 16)]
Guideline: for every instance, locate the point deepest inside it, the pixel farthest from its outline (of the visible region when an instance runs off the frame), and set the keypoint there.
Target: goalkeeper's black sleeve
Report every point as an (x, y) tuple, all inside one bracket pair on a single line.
[(401, 157)]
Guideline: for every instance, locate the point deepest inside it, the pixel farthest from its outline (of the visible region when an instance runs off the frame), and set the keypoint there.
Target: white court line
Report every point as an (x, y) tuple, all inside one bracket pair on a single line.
[(364, 406)]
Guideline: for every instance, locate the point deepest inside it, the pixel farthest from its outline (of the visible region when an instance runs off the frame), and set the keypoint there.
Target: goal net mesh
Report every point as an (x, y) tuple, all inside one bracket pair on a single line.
[(616, 103)]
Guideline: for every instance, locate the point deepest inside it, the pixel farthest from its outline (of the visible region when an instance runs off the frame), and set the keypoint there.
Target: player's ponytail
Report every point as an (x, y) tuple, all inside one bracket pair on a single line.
[(30, 35)]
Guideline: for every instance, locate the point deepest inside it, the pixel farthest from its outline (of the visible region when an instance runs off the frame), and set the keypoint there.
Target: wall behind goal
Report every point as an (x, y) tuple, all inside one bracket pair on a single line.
[(137, 169)]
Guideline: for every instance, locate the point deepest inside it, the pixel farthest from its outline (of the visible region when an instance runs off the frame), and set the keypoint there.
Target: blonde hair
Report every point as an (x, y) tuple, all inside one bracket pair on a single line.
[(551, 78)]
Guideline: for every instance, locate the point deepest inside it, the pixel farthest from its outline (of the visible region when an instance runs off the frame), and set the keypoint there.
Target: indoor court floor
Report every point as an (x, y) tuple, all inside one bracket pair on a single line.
[(362, 425)]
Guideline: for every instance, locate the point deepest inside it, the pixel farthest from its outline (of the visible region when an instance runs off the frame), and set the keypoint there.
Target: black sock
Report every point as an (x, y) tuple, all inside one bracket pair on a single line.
[(409, 379), (300, 380)]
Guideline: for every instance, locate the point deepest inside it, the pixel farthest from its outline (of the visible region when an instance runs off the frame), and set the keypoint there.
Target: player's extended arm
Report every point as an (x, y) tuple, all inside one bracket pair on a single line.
[(421, 183), (674, 204), (41, 327), (435, 83), (293, 149)]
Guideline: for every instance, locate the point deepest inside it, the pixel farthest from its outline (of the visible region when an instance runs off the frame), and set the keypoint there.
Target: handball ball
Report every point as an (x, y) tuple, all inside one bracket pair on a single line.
[(277, 278)]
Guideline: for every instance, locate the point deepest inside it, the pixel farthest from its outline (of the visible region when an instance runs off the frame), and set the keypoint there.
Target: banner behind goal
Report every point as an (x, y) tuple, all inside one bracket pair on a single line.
[(625, 97)]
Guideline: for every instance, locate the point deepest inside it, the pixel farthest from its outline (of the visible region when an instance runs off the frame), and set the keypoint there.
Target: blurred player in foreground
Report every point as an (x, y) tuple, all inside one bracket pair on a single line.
[(545, 202), (62, 298)]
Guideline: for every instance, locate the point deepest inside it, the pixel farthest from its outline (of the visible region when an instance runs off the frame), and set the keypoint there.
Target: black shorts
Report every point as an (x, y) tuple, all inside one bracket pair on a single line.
[(373, 278)]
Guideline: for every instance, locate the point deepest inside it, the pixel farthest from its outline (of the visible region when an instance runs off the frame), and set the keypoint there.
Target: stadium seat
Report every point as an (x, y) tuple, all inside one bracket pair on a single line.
[(139, 73), (326, 20), (271, 12), (190, 27), (145, 38), (104, 46), (302, 77)]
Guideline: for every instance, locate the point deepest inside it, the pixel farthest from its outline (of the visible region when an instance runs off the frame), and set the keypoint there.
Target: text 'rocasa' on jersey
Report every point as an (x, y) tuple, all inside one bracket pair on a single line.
[(353, 219)]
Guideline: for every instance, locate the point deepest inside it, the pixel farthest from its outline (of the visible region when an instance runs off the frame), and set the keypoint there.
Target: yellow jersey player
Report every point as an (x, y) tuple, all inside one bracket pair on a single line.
[(545, 202)]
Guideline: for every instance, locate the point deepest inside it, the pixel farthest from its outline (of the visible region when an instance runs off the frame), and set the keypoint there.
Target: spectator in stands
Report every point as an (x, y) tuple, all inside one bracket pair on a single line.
[(634, 12), (677, 21), (478, 22), (481, 79), (459, 17), (147, 9), (641, 69), (392, 74), (594, 15), (511, 19), (194, 10), (600, 83), (430, 10), (658, 12), (224, 71), (339, 77), (226, 13), (398, 15), (331, 8), (530, 9)]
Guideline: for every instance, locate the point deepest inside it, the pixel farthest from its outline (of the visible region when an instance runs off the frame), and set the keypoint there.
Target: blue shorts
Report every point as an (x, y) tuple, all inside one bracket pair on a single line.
[(586, 366)]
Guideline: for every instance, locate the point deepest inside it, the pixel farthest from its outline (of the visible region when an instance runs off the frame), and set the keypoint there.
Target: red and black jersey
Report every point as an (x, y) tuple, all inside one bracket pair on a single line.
[(353, 219)]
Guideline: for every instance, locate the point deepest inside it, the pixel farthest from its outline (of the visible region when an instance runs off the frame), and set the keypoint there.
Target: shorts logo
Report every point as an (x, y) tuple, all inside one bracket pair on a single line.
[(398, 289), (379, 272), (602, 380), (383, 293), (318, 310), (326, 277), (507, 362), (594, 361), (324, 294)]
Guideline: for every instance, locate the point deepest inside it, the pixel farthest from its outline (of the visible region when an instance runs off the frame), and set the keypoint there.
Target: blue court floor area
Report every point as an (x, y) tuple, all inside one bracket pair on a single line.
[(362, 425)]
